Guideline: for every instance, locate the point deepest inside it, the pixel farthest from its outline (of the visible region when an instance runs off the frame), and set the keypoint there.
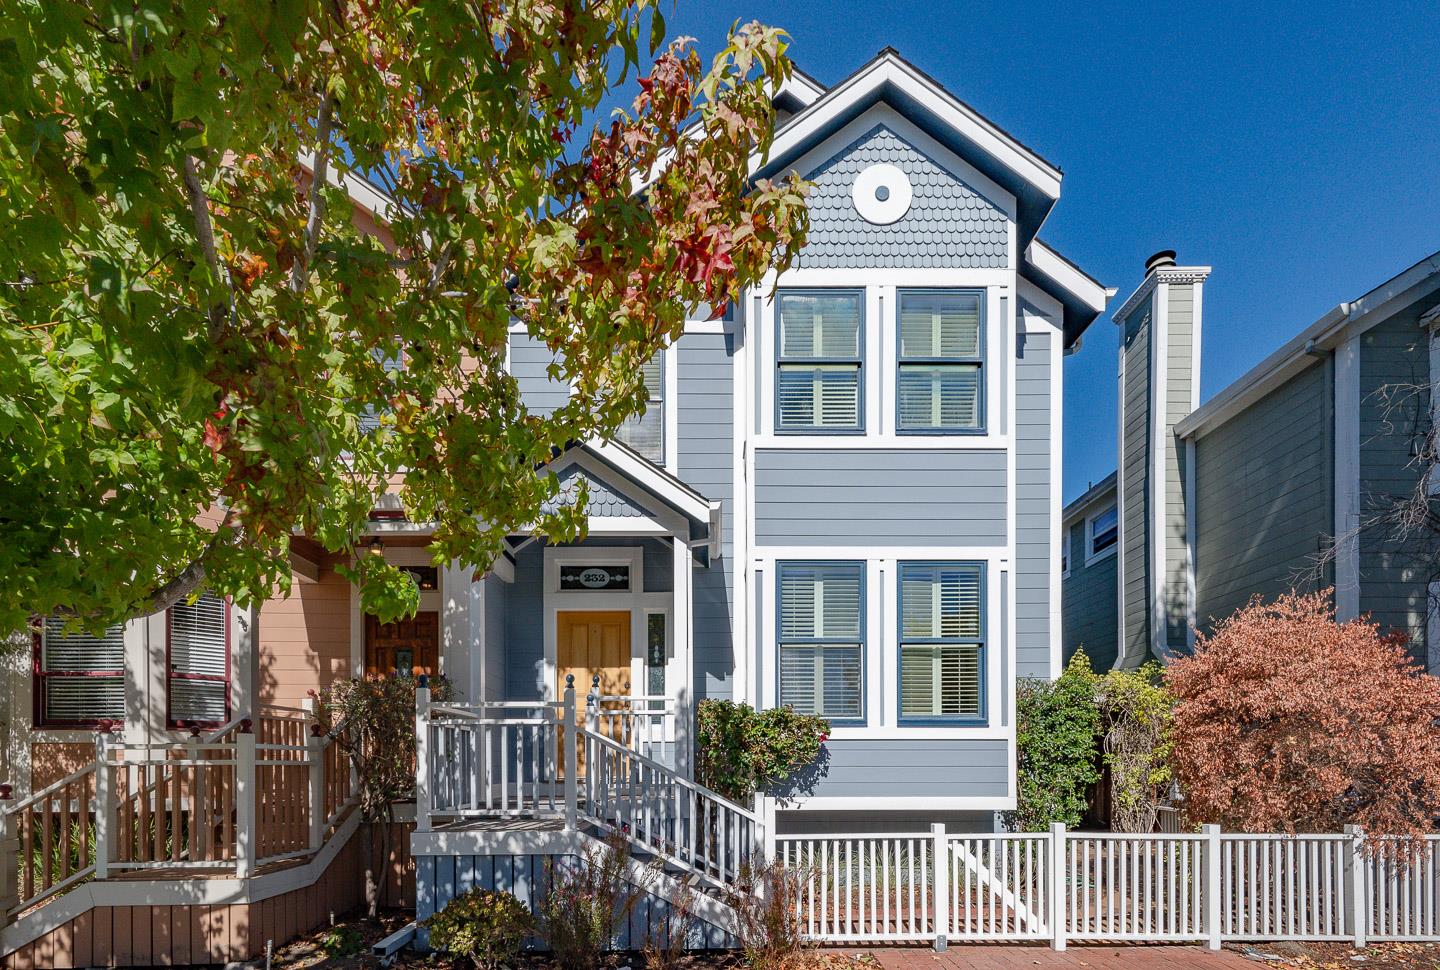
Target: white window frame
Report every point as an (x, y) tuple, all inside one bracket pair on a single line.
[(862, 568), (860, 361), (1090, 555), (1066, 563), (981, 361)]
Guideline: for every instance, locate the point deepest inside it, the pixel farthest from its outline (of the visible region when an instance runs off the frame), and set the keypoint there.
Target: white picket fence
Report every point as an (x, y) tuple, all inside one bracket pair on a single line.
[(1058, 886)]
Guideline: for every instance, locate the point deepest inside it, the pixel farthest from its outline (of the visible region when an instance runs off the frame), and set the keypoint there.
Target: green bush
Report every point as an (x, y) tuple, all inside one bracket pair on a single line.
[(342, 941), (742, 750), (487, 926), (1058, 723)]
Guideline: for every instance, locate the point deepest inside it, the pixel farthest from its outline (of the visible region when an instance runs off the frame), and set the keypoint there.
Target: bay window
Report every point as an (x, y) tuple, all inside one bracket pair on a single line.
[(818, 383), (940, 384), (79, 677), (822, 638), (942, 641)]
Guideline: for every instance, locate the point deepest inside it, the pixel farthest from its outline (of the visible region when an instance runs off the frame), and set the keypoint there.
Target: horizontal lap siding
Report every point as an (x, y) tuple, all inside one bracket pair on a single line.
[(1180, 369), (1263, 497), (1088, 603), (304, 640), (1134, 482), (886, 496), (905, 767), (1394, 574), (1034, 484), (497, 599), (530, 362), (705, 460)]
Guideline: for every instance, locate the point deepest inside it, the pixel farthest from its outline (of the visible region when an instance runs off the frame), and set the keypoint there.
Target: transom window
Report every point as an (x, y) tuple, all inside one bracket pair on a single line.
[(198, 685), (818, 386), (1104, 531), (822, 638), (942, 641), (941, 381), (645, 433), (80, 677)]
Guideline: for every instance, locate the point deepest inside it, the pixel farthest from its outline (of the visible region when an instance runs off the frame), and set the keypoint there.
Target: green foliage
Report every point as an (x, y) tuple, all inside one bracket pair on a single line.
[(342, 941), (741, 750), (194, 330), (585, 903), (1137, 709), (1057, 723), (487, 926)]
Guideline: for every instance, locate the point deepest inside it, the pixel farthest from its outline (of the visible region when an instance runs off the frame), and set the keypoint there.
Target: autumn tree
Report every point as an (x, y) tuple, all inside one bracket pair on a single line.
[(197, 336), (1288, 721)]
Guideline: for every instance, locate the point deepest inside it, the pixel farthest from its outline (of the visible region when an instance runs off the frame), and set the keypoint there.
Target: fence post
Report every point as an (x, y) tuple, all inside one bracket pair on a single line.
[(422, 754), (768, 852), (247, 782), (592, 706), (570, 734), (1059, 886), (1357, 909), (104, 802), (316, 758), (9, 861), (1212, 885), (940, 876)]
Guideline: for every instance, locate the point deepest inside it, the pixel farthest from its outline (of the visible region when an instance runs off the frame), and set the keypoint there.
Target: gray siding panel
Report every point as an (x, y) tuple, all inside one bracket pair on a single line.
[(949, 222), (497, 595), (1035, 483), (1263, 492), (806, 496), (906, 767), (1134, 479), (705, 460), (529, 362), (1088, 603), (1394, 575), (1179, 374)]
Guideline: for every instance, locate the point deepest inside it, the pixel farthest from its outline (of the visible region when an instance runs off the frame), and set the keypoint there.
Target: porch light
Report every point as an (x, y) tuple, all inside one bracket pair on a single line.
[(376, 547)]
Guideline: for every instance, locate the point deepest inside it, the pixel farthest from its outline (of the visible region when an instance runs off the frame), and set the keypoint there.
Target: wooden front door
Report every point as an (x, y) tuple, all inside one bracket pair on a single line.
[(411, 646), (593, 643)]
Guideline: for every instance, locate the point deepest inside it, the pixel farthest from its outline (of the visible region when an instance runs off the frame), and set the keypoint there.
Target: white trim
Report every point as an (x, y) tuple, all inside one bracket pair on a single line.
[(649, 476), (1058, 532), (1119, 502), (1065, 562), (894, 803), (1347, 479), (1093, 557), (670, 406), (1159, 409), (1045, 260), (1191, 541), (1164, 274)]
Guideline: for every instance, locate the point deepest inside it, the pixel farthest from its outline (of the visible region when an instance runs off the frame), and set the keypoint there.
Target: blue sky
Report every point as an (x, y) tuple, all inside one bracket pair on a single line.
[(1293, 147)]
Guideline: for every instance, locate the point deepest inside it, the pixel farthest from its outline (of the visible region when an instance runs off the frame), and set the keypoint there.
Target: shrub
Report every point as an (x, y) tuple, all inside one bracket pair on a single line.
[(1287, 720), (1136, 709), (1056, 726), (585, 903), (671, 938), (766, 901), (487, 926), (342, 941), (741, 750)]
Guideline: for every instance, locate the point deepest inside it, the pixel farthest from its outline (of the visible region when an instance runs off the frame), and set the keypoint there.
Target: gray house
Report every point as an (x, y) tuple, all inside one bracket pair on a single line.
[(1280, 481)]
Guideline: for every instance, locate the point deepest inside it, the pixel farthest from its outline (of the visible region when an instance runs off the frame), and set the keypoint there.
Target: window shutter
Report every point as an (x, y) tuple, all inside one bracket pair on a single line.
[(83, 676), (939, 325), (940, 681), (939, 396), (821, 640), (199, 649), (819, 325), (820, 602), (941, 602)]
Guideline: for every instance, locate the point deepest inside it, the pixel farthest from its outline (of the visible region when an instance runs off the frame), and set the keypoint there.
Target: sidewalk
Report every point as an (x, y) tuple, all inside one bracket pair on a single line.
[(1091, 957)]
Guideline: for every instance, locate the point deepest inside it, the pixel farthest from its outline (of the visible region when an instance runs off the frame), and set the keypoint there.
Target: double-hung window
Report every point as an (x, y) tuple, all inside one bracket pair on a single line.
[(941, 385), (80, 678), (198, 682), (1103, 531), (822, 638), (942, 641), (645, 433), (818, 384)]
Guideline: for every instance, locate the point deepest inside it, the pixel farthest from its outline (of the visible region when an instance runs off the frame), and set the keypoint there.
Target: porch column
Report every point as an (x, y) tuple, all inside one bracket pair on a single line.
[(245, 661), (684, 640), (457, 639)]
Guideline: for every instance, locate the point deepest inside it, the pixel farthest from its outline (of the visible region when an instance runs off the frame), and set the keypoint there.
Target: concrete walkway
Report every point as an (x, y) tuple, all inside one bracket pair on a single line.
[(1090, 957)]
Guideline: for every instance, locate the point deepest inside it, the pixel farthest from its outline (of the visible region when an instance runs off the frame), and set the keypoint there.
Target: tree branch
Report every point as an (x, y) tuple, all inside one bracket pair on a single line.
[(205, 233), (316, 216)]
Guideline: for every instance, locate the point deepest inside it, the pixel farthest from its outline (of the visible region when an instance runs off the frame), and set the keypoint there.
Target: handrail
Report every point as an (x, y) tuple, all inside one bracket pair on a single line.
[(218, 736), (674, 776), (50, 789)]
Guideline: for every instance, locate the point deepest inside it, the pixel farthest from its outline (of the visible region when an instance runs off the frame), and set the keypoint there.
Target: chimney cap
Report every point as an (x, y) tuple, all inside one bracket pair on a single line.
[(1165, 257)]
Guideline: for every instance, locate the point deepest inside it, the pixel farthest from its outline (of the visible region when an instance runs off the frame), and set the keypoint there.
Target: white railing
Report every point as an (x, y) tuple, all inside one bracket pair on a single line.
[(1058, 886), (591, 759)]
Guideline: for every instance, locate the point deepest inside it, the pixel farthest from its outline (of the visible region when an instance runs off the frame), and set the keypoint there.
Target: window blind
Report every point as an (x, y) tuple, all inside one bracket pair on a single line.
[(818, 377), (199, 689), (822, 641), (645, 433), (941, 640), (82, 677), (941, 360)]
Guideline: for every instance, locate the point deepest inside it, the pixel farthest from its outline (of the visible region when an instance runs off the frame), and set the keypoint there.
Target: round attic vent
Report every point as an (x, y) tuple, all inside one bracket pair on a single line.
[(882, 194)]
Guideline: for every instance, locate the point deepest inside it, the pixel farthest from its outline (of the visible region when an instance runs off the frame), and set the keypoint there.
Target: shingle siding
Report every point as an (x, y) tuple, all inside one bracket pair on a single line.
[(1263, 483), (949, 222), (1134, 482), (806, 496), (705, 460), (601, 498), (1035, 484), (1393, 574)]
